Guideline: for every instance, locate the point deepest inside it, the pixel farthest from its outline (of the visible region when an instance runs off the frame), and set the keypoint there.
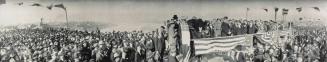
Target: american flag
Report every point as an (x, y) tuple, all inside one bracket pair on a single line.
[(299, 9), (285, 11), (2, 2), (264, 38), (220, 44)]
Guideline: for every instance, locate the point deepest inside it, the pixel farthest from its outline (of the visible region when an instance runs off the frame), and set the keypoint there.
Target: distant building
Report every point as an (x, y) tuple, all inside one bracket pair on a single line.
[(2, 2)]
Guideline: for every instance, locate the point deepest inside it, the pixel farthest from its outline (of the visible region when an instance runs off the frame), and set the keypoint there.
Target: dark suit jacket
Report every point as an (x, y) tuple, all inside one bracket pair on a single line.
[(235, 30), (225, 29), (251, 29), (244, 28)]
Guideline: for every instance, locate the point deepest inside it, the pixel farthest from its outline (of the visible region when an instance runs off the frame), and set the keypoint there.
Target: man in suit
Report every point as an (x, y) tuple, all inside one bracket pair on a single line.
[(244, 28), (234, 28), (251, 28), (86, 52), (266, 26), (237, 28), (225, 28)]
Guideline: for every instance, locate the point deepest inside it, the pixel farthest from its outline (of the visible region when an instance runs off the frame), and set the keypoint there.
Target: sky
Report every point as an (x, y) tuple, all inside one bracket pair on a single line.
[(128, 15)]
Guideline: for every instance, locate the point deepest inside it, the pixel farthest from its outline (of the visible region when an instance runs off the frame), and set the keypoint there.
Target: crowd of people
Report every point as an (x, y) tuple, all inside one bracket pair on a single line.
[(64, 45), (304, 45), (67, 45), (308, 46), (230, 27)]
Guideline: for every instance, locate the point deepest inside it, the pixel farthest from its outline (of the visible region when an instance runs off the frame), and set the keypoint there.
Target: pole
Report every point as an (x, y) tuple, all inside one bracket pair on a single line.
[(275, 15), (283, 18), (66, 19), (246, 13)]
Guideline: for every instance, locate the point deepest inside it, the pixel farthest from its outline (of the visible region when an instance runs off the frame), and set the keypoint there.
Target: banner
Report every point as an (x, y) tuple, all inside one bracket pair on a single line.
[(220, 44)]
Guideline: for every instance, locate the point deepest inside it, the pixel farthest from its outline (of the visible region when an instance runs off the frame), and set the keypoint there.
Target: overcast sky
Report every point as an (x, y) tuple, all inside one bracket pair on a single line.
[(148, 15)]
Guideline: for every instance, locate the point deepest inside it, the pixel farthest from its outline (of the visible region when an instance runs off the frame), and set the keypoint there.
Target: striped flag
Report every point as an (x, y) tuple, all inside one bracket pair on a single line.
[(2, 2), (299, 9), (50, 6), (36, 4), (316, 8), (60, 6), (219, 44), (285, 11), (276, 9), (265, 9), (21, 3), (265, 39)]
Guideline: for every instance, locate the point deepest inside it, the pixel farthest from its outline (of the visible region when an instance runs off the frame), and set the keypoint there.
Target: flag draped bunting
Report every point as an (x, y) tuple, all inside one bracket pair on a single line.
[(218, 45), (263, 39)]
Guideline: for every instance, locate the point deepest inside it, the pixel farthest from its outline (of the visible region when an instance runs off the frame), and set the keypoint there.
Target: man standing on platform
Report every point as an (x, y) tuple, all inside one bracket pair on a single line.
[(225, 28), (217, 27), (244, 28), (161, 42), (251, 28)]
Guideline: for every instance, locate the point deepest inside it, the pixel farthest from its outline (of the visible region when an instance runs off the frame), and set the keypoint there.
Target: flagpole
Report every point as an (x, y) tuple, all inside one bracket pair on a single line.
[(267, 14), (284, 18), (246, 13), (66, 19), (275, 15)]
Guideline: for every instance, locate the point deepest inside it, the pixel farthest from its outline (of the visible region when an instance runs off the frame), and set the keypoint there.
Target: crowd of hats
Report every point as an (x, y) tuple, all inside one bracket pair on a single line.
[(61, 44)]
